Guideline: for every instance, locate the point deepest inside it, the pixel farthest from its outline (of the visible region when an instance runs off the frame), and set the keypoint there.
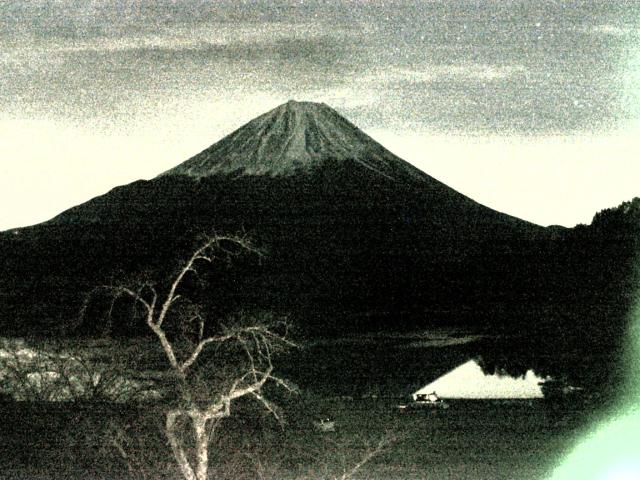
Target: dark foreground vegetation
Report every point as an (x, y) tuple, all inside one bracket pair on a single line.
[(355, 381), (471, 440)]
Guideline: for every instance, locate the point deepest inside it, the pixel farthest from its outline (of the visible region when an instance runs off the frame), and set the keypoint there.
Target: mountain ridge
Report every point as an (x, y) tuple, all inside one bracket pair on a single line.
[(293, 140)]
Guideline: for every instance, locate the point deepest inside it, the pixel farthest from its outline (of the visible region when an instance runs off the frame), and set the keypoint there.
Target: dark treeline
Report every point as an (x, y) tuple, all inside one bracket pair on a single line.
[(579, 315)]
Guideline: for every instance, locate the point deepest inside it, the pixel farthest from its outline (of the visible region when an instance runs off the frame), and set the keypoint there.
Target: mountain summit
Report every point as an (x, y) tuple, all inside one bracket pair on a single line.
[(294, 137)]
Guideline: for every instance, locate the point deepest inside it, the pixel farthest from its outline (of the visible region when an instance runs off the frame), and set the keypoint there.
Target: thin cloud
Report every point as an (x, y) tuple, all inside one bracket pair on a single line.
[(175, 37), (458, 73), (111, 62), (614, 30)]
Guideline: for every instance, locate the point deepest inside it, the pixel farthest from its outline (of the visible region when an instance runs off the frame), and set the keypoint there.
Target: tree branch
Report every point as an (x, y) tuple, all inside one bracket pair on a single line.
[(199, 254), (382, 445), (198, 350)]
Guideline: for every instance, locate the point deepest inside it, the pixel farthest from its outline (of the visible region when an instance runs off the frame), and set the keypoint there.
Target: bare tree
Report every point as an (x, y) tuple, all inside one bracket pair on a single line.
[(252, 345)]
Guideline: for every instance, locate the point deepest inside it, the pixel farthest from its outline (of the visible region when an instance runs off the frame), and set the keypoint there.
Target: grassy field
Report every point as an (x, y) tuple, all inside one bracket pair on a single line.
[(471, 440)]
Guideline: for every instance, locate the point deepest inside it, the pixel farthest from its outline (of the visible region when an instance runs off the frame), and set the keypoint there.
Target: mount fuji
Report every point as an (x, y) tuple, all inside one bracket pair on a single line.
[(355, 237), (355, 240)]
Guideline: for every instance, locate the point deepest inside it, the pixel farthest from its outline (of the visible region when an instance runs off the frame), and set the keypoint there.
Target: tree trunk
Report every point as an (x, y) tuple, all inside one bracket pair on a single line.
[(176, 447), (199, 425), (202, 446)]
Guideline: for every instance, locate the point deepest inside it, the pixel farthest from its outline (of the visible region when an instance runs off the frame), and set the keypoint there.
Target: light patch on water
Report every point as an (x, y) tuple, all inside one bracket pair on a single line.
[(440, 337), (444, 341), (468, 381)]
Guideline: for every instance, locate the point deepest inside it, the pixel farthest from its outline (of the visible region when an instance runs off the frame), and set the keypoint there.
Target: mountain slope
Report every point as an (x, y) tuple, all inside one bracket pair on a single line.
[(356, 237), (297, 142)]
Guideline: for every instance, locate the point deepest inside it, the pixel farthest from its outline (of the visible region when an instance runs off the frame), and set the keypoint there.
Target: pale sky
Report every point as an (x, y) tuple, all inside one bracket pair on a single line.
[(529, 107)]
